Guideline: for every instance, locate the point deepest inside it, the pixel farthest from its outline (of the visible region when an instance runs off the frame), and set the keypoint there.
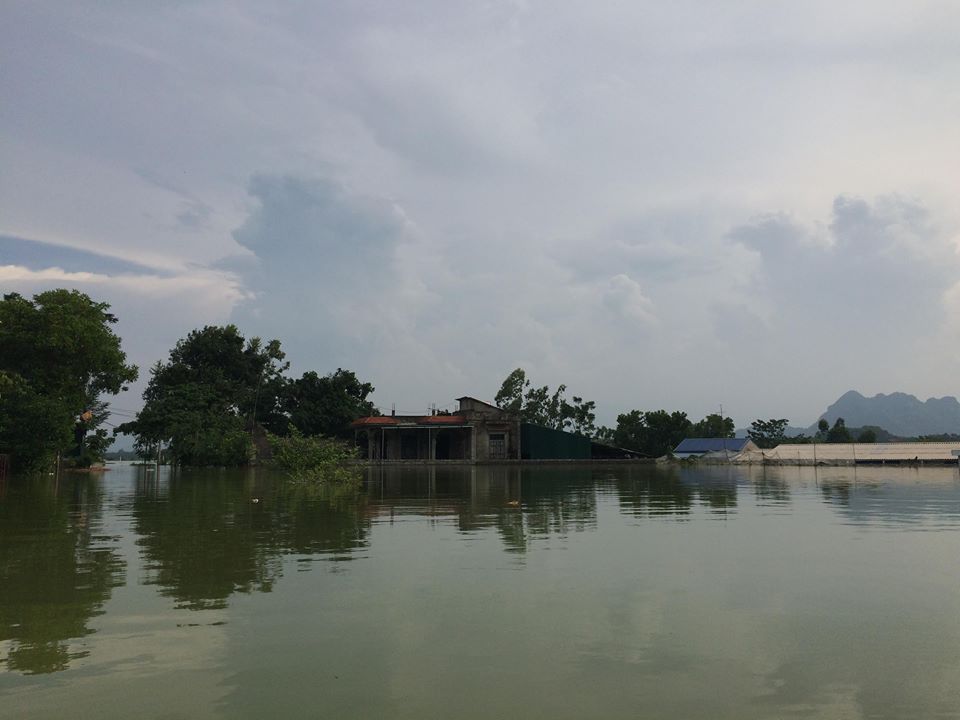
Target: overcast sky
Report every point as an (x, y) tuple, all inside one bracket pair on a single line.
[(670, 205)]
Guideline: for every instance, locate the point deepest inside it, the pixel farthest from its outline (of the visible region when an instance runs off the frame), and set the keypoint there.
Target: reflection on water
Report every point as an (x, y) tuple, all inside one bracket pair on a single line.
[(608, 591), (57, 570), (207, 535)]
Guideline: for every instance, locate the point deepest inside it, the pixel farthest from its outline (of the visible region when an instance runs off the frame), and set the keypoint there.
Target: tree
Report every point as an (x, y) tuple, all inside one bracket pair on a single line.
[(58, 356), (768, 433), (538, 406), (714, 426), (839, 432), (653, 433), (823, 427), (510, 395), (867, 435), (327, 405), (665, 431), (213, 389)]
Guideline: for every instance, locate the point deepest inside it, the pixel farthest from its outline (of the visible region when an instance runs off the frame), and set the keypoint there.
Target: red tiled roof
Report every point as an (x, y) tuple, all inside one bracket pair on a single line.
[(392, 420), (374, 420)]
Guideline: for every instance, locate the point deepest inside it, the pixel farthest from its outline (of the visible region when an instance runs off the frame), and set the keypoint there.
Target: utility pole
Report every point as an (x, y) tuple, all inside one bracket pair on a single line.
[(723, 435)]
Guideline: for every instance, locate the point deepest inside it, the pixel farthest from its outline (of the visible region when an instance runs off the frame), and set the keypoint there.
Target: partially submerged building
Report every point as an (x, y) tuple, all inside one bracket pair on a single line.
[(476, 432), (926, 453), (723, 448)]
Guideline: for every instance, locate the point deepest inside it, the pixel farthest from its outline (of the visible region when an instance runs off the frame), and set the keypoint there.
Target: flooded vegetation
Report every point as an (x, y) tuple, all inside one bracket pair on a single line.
[(472, 591)]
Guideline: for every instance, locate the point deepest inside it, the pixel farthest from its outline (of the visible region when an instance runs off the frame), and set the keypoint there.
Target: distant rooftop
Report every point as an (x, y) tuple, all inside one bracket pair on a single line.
[(705, 445)]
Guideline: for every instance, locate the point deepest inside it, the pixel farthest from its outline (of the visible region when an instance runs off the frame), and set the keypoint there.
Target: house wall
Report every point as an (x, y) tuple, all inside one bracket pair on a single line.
[(483, 429)]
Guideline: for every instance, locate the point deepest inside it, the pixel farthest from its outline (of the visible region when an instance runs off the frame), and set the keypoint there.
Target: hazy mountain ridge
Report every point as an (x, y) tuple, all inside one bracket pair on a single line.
[(899, 413)]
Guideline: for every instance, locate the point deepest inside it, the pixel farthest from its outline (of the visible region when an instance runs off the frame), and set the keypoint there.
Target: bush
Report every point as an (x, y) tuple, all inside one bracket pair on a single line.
[(314, 458)]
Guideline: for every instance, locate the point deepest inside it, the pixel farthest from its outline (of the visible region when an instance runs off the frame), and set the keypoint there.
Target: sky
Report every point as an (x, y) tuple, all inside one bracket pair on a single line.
[(661, 205)]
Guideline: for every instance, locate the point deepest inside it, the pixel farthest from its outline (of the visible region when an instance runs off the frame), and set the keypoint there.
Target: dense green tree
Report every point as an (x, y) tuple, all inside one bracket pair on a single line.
[(652, 433), (714, 426), (768, 433), (510, 395), (665, 430), (839, 432), (537, 405), (327, 405), (823, 427), (215, 387), (867, 435), (58, 356)]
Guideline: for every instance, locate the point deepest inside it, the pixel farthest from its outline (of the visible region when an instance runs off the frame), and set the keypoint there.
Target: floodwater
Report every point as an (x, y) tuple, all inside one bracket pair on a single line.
[(458, 592)]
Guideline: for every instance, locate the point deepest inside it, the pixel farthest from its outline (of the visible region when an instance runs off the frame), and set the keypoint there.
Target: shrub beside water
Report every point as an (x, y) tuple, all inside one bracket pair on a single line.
[(313, 458)]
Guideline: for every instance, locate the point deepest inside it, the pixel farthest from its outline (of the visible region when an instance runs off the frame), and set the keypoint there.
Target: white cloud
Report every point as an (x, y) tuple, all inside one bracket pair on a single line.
[(433, 194)]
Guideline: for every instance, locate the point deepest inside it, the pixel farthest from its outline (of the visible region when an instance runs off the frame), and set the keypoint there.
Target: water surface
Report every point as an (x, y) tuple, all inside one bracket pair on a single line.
[(615, 592)]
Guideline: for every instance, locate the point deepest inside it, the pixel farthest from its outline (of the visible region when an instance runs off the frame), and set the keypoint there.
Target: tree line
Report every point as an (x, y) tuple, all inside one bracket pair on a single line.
[(219, 397), (212, 402), (653, 433)]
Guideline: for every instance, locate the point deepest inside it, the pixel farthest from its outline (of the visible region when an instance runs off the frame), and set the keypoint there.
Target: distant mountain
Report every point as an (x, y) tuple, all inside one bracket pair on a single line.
[(901, 414)]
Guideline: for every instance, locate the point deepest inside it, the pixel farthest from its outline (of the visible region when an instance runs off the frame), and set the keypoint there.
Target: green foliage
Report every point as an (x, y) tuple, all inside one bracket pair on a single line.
[(537, 405), (823, 427), (217, 390), (327, 405), (942, 437), (768, 433), (58, 355), (314, 458), (204, 399), (839, 433), (654, 433), (868, 435), (714, 426)]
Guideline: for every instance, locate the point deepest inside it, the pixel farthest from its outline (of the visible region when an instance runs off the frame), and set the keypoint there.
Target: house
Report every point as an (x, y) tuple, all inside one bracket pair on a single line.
[(698, 447), (476, 432)]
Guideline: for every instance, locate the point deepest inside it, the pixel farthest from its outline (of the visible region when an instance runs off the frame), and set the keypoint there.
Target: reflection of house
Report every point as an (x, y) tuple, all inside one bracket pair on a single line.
[(698, 447), (478, 431)]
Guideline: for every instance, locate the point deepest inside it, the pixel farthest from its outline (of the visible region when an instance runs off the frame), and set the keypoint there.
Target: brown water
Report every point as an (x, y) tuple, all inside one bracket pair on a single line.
[(618, 592)]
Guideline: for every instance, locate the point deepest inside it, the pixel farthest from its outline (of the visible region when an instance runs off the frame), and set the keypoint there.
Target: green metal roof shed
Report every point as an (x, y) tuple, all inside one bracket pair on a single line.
[(541, 443)]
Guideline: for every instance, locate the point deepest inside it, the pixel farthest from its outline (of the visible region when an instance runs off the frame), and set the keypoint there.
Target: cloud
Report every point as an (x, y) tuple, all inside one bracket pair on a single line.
[(153, 310), (624, 297), (326, 278), (648, 203)]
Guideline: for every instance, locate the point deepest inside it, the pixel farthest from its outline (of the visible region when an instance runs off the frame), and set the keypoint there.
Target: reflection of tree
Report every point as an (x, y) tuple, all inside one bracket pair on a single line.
[(209, 534), (54, 577), (716, 491), (836, 492), (559, 500), (769, 485), (319, 519), (199, 537), (648, 490)]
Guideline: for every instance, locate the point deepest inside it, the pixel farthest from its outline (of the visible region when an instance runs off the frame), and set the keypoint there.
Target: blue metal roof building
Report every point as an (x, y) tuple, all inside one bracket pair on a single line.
[(692, 447)]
